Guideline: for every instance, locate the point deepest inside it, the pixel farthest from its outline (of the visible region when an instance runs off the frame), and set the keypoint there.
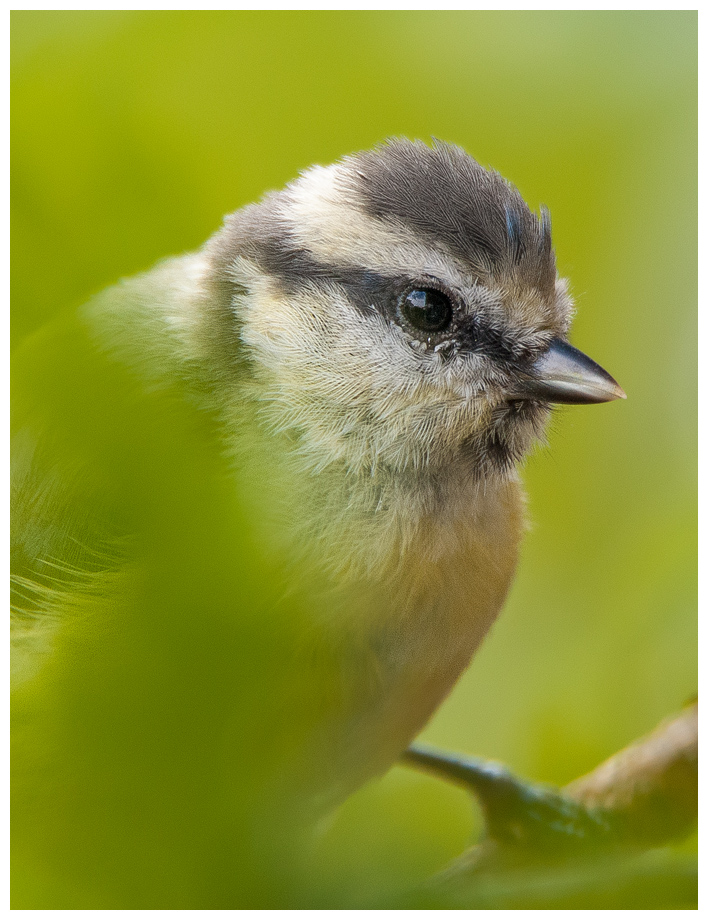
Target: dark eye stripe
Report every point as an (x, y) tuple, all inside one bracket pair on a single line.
[(295, 269)]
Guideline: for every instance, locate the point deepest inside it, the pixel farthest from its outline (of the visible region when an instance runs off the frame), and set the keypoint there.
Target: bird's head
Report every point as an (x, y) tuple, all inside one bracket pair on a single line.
[(401, 310)]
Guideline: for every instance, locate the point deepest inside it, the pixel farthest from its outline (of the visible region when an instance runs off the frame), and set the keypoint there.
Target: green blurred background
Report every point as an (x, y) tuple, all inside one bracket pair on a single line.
[(133, 133)]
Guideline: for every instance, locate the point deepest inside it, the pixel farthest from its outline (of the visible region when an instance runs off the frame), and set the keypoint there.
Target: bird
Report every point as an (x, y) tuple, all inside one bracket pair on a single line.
[(369, 354)]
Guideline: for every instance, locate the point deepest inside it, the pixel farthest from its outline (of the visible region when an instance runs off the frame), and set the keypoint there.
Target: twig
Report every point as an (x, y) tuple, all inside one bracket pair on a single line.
[(643, 796)]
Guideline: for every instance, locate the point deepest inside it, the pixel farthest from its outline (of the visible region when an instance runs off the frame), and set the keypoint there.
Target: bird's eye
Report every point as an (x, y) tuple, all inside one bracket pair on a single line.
[(427, 309)]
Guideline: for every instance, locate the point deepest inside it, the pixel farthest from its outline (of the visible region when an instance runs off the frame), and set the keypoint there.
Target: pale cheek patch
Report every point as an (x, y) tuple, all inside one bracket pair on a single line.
[(349, 386)]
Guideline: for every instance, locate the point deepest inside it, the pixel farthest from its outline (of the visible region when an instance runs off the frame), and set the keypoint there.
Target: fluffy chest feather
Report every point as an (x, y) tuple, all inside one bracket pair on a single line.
[(409, 626)]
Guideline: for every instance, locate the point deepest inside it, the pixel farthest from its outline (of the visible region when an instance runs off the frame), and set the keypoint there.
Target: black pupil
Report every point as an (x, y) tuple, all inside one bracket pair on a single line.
[(427, 309)]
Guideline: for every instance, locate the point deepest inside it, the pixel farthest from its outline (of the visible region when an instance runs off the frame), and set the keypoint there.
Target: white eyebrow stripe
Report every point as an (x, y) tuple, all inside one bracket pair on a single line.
[(332, 226)]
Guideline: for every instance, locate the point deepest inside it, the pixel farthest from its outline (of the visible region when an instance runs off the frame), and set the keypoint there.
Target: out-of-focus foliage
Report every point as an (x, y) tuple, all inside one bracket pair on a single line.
[(133, 133)]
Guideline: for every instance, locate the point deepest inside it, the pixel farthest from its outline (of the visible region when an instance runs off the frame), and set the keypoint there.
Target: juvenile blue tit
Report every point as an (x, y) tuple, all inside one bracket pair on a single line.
[(370, 352)]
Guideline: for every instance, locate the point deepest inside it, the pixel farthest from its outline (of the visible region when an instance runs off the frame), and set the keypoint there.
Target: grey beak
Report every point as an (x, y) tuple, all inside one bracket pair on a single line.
[(565, 375)]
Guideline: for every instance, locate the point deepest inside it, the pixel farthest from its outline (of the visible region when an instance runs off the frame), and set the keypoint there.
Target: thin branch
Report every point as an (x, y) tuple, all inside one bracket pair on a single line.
[(643, 796)]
